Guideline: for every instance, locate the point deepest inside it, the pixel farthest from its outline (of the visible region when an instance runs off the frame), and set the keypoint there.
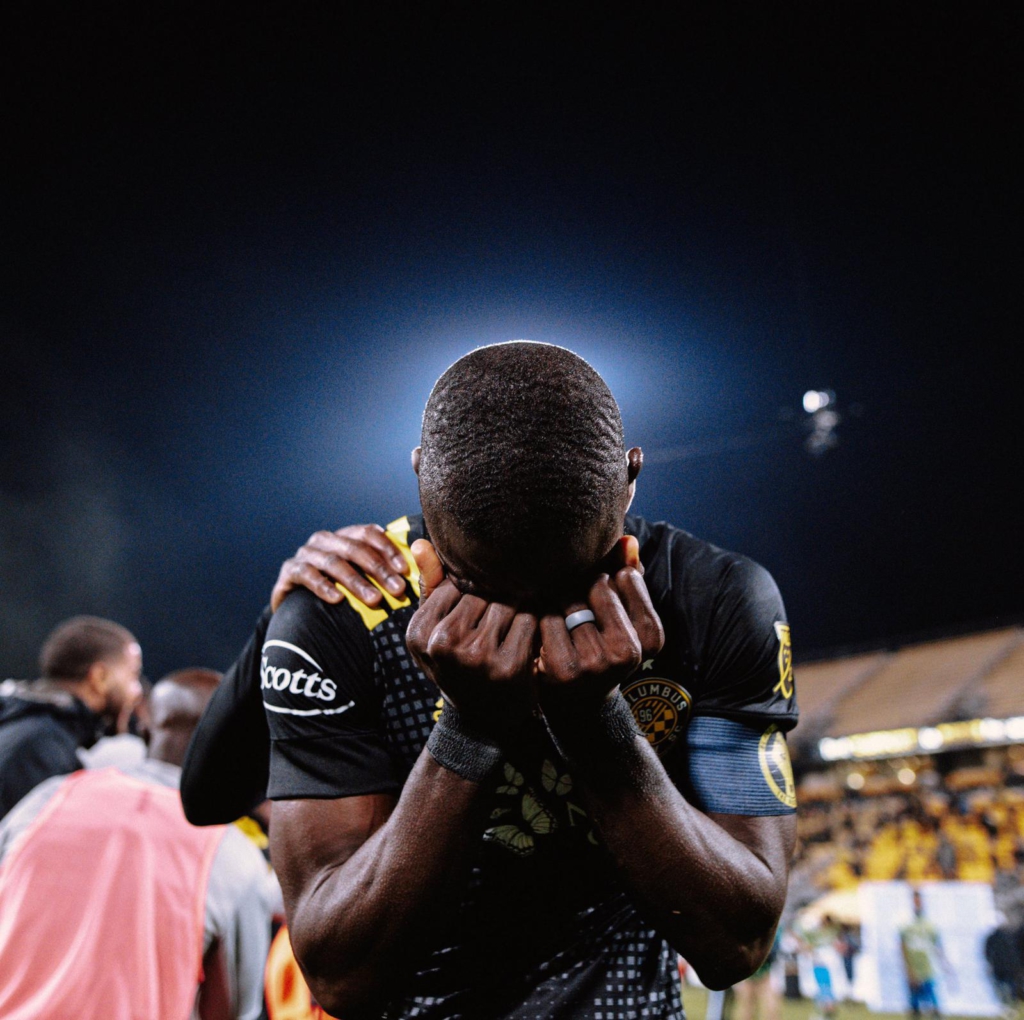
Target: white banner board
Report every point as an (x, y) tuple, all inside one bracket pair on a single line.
[(962, 912)]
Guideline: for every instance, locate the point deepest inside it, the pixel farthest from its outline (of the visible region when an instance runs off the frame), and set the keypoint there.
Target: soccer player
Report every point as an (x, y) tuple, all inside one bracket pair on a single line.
[(512, 799), (921, 945)]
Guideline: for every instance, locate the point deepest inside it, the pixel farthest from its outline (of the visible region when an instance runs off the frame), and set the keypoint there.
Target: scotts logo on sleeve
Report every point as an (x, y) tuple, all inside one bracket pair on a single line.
[(287, 669), (660, 708)]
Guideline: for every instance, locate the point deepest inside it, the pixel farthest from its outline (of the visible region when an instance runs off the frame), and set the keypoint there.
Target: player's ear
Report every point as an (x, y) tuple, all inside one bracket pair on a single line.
[(416, 460), (634, 464), (96, 678)]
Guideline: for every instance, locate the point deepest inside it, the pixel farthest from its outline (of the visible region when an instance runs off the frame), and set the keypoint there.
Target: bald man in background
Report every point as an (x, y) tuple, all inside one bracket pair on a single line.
[(115, 906)]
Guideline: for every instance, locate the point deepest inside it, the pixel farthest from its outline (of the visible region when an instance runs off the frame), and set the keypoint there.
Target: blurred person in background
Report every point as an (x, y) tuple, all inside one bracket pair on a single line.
[(814, 940), (921, 946), (114, 907), (758, 996), (848, 946), (1004, 954), (89, 683)]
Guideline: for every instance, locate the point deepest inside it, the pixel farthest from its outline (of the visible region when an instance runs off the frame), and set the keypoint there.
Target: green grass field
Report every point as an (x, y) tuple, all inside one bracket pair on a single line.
[(695, 1000)]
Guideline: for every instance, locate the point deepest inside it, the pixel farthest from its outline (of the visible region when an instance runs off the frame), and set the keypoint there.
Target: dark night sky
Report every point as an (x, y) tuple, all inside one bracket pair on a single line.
[(237, 251)]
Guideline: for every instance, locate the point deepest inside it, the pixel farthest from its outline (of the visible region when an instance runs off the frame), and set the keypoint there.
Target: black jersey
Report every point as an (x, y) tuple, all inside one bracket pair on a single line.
[(545, 928)]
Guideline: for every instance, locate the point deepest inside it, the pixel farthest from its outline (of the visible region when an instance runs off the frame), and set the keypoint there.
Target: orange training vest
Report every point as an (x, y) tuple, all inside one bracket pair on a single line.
[(102, 904)]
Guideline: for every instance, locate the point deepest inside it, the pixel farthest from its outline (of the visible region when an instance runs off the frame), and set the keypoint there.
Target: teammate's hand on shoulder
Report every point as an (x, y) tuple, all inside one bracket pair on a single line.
[(479, 653), (582, 666), (346, 556)]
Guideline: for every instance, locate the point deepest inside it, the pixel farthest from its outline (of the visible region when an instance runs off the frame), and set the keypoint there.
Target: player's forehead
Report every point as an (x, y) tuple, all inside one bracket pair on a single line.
[(545, 588)]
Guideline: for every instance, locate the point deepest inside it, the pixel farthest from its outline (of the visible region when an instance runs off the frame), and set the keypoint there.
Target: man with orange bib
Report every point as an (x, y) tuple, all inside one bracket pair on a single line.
[(114, 907)]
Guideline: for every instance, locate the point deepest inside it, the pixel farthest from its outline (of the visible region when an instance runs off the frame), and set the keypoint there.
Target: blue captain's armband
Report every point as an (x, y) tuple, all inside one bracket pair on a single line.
[(739, 769)]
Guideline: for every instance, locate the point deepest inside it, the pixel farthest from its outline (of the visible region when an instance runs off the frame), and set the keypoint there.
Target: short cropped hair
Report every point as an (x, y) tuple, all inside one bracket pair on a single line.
[(76, 644), (178, 699), (522, 450)]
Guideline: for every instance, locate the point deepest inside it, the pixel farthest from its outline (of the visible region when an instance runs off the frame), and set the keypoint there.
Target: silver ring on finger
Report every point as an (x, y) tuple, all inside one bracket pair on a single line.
[(577, 619)]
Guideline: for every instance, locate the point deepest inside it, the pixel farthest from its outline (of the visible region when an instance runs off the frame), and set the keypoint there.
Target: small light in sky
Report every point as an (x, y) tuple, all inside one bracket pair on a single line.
[(906, 776), (815, 400), (855, 781)]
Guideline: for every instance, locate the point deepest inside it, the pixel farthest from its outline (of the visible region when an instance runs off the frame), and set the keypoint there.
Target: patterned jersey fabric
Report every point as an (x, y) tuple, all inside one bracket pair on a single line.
[(545, 927)]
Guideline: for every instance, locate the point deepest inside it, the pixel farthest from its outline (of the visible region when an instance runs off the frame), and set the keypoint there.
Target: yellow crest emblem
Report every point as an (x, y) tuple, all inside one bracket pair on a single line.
[(660, 708), (785, 684), (773, 754)]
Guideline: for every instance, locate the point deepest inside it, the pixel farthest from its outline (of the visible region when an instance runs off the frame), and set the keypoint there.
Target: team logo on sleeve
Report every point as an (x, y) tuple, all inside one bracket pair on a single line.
[(785, 684), (773, 754), (286, 669), (660, 708)]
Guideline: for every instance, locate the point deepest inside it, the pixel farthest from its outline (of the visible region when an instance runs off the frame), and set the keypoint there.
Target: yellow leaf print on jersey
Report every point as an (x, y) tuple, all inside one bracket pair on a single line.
[(512, 838), (551, 780), (513, 780), (537, 817)]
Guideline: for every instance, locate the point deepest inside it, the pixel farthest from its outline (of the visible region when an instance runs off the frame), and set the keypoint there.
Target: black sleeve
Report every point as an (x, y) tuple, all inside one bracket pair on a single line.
[(746, 658), (226, 766), (738, 761), (323, 707), (44, 751)]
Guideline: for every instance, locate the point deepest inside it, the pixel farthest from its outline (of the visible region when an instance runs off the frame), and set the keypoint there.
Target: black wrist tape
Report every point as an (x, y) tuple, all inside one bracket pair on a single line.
[(613, 727), (461, 749)]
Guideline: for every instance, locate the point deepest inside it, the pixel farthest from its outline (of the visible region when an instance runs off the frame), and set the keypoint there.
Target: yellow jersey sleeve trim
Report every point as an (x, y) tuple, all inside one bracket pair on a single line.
[(250, 828), (398, 532)]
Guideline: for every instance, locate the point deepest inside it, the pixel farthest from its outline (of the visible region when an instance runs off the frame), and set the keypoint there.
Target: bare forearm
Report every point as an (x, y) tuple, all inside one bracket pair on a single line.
[(354, 925), (713, 897)]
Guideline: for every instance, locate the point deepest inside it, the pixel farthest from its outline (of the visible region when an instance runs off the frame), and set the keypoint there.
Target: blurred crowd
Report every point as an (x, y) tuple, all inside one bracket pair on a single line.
[(973, 834), (966, 825)]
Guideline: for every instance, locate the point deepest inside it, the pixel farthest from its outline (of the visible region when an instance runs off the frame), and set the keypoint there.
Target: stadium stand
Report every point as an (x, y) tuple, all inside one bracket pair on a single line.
[(823, 685), (919, 685), (953, 811), (1003, 687)]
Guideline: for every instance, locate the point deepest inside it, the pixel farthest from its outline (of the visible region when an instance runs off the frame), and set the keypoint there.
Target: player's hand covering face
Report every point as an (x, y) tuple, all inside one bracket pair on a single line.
[(587, 663), (496, 663), (481, 654)]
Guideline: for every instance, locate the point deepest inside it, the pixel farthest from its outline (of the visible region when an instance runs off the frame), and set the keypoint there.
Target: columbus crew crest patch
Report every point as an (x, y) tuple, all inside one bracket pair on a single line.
[(773, 754), (660, 708)]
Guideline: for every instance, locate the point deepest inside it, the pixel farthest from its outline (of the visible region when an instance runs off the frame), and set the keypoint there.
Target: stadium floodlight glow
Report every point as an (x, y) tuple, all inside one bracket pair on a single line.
[(815, 400), (908, 740), (835, 748), (906, 776), (855, 781), (1015, 728), (992, 730)]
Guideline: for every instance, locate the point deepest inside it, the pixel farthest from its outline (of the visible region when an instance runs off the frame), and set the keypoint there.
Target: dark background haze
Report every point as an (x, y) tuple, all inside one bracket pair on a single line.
[(238, 249)]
